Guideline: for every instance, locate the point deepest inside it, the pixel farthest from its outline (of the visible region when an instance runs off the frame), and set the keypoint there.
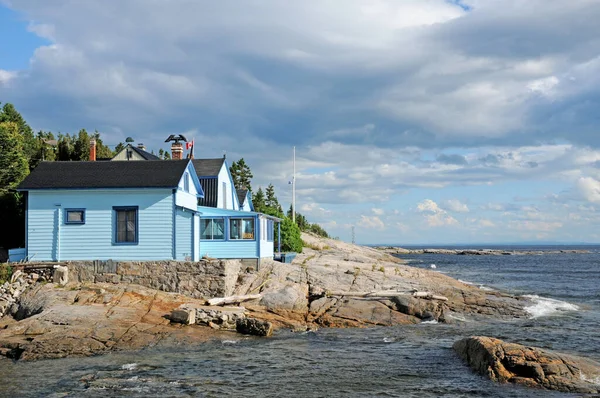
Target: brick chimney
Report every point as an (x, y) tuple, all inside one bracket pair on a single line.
[(92, 150), (177, 151), (141, 146)]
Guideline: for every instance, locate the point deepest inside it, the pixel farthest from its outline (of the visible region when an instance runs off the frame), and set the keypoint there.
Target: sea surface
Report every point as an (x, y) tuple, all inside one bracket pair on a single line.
[(407, 361)]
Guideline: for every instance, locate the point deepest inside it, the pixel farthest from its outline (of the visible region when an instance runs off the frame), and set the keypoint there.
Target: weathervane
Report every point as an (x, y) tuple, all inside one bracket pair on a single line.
[(176, 138)]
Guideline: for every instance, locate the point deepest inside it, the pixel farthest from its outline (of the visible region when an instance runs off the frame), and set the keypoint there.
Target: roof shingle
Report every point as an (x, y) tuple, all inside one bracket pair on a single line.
[(208, 167), (117, 174)]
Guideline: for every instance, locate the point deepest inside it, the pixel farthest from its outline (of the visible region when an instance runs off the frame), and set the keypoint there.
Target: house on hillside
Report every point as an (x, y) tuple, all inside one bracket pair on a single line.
[(131, 152), (136, 211)]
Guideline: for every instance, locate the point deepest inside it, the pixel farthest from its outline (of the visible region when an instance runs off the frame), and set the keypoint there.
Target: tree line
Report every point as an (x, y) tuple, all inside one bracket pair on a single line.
[(266, 202)]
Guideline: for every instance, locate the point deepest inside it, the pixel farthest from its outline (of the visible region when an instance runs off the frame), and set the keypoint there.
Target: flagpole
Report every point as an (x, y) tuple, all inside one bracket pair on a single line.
[(294, 190)]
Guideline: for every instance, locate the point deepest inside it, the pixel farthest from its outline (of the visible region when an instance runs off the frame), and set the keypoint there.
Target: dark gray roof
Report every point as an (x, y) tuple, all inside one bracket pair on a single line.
[(208, 167), (117, 174), (241, 194), (146, 155)]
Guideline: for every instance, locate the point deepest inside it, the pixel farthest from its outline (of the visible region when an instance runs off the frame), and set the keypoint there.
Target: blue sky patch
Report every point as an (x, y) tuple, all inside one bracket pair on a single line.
[(17, 44)]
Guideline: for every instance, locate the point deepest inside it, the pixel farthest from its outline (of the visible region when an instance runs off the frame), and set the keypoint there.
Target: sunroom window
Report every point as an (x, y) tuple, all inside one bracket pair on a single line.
[(74, 216), (241, 229), (212, 229)]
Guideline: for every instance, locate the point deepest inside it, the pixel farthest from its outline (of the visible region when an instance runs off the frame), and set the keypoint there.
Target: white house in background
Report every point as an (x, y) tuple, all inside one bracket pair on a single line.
[(131, 152)]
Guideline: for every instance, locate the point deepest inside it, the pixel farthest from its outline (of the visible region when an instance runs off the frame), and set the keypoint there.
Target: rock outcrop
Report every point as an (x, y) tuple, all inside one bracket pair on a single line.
[(254, 327), (529, 366)]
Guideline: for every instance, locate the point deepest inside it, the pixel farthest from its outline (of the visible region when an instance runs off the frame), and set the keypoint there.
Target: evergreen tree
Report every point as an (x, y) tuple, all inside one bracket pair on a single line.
[(120, 146), (291, 239), (102, 151), (258, 200), (241, 174), (64, 147), (81, 146), (271, 200)]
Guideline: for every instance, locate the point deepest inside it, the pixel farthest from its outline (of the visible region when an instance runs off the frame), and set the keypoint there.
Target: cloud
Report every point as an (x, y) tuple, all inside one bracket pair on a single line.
[(378, 212), (371, 222), (456, 206), (6, 76), (452, 159), (434, 215), (590, 189)]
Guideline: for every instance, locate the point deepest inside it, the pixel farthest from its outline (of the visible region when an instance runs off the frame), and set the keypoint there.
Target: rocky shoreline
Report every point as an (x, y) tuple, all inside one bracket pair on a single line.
[(331, 284), (478, 252)]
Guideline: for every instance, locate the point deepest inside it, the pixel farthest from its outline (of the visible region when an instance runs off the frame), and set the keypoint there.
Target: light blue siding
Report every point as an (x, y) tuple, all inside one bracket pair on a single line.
[(188, 198), (228, 249), (184, 235), (50, 239)]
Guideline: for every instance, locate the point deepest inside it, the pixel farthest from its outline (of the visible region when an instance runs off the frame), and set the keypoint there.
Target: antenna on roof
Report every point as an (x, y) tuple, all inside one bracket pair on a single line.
[(224, 154)]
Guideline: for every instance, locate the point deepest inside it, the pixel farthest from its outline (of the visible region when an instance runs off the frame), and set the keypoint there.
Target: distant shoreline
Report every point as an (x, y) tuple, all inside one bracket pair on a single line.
[(479, 251)]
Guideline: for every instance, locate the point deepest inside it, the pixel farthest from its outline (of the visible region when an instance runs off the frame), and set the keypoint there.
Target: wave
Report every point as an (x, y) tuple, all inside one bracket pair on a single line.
[(129, 366), (465, 282), (431, 322), (543, 306)]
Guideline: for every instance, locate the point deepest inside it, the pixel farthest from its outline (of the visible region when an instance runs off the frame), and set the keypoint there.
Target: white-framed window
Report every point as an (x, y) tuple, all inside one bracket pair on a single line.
[(186, 182), (241, 229)]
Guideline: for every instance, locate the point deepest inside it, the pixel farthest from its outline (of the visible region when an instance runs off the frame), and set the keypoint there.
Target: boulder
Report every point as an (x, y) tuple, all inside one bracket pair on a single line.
[(534, 367), (254, 327), (61, 275), (183, 315)]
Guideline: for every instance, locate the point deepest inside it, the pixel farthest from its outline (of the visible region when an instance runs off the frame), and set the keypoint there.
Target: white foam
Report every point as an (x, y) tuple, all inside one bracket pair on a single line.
[(129, 366), (229, 341), (465, 282), (432, 322), (543, 306), (433, 266), (489, 289), (388, 339)]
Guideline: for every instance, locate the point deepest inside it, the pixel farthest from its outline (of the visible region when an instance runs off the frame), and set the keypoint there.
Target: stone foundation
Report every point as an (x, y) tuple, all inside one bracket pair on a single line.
[(202, 279)]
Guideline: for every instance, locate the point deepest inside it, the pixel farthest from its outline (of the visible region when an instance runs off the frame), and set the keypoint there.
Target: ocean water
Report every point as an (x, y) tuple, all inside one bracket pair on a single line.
[(413, 361)]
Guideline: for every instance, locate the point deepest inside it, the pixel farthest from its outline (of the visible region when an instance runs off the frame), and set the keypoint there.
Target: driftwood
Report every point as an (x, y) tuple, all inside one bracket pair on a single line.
[(232, 299), (389, 293)]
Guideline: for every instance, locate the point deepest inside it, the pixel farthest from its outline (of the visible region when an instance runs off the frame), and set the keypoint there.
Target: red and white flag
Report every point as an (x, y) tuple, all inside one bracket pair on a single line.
[(189, 145)]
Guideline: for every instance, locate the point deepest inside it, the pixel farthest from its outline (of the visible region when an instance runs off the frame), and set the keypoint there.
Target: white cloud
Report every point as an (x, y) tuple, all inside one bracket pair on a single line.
[(6, 76), (434, 215), (371, 222), (378, 212), (590, 189), (456, 206)]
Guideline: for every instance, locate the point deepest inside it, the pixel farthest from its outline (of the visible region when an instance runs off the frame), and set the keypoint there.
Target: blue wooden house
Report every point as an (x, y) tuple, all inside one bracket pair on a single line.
[(135, 211)]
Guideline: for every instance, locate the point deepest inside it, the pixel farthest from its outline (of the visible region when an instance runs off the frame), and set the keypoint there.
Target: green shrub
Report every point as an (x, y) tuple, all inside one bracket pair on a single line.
[(291, 241), (6, 272)]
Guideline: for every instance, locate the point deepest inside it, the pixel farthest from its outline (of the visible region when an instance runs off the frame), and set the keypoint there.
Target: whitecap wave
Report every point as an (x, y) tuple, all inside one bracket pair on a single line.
[(129, 366), (543, 306), (486, 288), (431, 322), (229, 341), (465, 282), (388, 339)]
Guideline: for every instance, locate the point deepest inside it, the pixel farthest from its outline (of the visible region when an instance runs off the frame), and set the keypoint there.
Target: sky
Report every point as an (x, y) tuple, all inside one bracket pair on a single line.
[(415, 121)]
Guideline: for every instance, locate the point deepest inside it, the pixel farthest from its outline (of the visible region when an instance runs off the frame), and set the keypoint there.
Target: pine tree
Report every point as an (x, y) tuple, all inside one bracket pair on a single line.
[(271, 200), (258, 200), (241, 174), (102, 151), (81, 147)]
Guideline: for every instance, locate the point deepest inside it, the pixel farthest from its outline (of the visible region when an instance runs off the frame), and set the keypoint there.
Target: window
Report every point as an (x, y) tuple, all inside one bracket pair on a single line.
[(74, 216), (186, 182), (224, 195), (126, 231), (270, 230), (212, 229), (242, 228)]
